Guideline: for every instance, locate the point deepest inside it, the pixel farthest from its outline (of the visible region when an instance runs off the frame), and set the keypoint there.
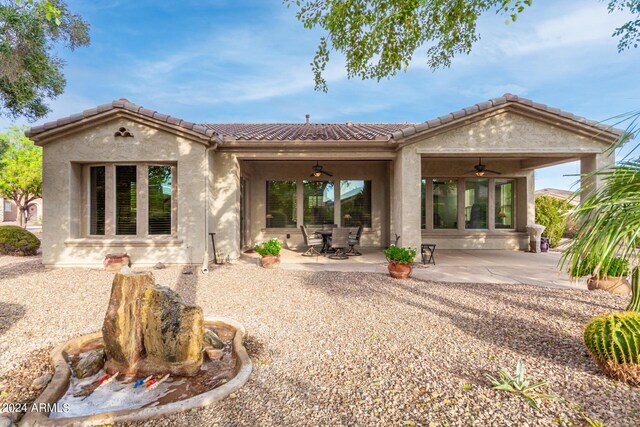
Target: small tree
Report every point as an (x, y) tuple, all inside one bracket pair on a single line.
[(20, 172), (552, 213)]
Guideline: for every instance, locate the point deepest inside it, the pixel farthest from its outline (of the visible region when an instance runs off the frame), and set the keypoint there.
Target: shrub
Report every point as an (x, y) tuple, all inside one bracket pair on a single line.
[(615, 267), (270, 247), (16, 240), (396, 254), (614, 342), (552, 213)]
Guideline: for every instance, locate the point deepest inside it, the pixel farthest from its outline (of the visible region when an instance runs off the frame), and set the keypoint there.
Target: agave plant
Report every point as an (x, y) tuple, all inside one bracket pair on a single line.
[(610, 225), (520, 384)]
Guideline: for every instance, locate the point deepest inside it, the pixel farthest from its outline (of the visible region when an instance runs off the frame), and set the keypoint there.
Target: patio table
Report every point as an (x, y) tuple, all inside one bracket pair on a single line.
[(326, 234)]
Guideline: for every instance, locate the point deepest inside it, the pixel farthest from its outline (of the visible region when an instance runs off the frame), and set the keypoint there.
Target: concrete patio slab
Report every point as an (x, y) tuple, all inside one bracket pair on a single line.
[(454, 266)]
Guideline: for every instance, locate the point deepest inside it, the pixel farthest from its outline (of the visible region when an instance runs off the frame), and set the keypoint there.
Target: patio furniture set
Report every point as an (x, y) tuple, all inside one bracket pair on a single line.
[(340, 242)]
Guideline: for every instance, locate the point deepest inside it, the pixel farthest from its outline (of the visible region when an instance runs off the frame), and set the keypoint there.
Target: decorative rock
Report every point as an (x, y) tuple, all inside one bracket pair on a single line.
[(114, 262), (212, 339), (122, 327), (213, 353), (90, 364), (150, 330), (6, 422), (159, 266), (173, 333), (41, 382)]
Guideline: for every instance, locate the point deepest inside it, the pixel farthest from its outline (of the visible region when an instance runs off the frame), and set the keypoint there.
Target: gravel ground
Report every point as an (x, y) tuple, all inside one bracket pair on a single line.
[(346, 349)]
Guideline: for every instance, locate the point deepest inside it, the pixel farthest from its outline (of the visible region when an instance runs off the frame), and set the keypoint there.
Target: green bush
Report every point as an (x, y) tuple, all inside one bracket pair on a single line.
[(16, 240), (270, 247), (614, 267), (552, 213), (398, 255)]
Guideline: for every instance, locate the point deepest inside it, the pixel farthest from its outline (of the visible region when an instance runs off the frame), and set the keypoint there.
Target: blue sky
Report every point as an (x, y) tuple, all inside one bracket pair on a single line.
[(248, 61)]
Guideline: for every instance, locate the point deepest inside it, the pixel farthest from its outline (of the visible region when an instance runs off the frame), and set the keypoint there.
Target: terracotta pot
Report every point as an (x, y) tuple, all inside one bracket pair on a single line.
[(399, 271), (270, 261), (614, 285)]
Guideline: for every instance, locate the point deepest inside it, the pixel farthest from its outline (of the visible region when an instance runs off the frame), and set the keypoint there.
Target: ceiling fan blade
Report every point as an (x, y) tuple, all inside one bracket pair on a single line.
[(326, 173), (490, 171)]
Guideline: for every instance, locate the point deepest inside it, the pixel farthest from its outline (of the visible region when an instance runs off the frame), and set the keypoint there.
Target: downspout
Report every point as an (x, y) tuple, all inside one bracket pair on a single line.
[(206, 257)]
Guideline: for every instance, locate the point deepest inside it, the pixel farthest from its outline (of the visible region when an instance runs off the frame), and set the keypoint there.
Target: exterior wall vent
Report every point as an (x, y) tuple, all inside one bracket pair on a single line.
[(123, 132)]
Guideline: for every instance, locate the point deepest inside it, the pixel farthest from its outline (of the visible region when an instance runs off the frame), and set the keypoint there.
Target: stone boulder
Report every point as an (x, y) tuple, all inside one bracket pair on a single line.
[(211, 339), (90, 364), (173, 332), (122, 327), (150, 330)]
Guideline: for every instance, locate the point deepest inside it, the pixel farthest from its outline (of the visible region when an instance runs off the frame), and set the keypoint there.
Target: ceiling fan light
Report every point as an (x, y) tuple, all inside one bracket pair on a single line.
[(317, 174), (480, 173)]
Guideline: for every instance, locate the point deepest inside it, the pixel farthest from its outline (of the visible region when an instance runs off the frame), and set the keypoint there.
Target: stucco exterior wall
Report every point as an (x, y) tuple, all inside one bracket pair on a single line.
[(509, 133), (65, 237)]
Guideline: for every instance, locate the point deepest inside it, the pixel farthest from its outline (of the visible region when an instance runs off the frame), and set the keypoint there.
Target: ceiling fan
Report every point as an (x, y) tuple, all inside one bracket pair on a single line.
[(481, 169), (318, 171)]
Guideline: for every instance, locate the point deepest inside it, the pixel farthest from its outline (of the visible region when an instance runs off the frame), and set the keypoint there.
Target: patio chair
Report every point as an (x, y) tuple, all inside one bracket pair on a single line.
[(340, 242), (311, 242), (355, 240)]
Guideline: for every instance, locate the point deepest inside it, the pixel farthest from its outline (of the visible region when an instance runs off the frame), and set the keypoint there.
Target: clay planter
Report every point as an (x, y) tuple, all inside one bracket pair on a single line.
[(399, 271), (270, 261), (115, 262), (614, 285)]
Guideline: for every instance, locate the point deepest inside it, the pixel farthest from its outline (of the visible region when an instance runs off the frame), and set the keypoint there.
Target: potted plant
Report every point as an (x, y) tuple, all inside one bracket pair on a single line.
[(610, 277), (400, 260), (270, 252)]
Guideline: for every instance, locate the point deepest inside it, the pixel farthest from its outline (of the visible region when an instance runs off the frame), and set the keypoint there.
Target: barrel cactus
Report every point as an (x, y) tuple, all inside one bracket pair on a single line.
[(614, 342)]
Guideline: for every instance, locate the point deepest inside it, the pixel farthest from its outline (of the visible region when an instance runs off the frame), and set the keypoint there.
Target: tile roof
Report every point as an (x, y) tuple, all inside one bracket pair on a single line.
[(317, 131), (307, 132), (497, 102), (124, 104)]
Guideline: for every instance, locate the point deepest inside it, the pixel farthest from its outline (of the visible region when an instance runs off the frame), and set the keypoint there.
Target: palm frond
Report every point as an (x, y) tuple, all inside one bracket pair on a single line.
[(609, 218)]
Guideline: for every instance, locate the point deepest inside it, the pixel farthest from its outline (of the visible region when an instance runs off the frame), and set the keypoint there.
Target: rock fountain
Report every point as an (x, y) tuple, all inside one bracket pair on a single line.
[(156, 355)]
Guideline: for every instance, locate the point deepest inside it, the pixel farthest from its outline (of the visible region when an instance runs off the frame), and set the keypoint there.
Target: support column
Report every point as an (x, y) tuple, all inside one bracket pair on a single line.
[(589, 183), (406, 198), (225, 201)]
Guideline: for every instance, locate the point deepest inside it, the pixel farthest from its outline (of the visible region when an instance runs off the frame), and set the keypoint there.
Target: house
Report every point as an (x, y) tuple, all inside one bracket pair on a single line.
[(569, 196), (120, 177), (9, 212)]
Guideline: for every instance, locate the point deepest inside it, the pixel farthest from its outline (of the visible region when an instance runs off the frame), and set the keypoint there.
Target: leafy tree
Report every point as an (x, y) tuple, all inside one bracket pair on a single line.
[(380, 37), (552, 213), (30, 71), (20, 172)]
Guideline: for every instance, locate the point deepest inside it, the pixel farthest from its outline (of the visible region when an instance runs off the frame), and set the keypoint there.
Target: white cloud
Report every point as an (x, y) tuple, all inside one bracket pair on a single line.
[(579, 27)]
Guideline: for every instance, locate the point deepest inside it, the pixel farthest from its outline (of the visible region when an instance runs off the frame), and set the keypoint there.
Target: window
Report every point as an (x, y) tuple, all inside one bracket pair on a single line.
[(7, 206), (159, 193), (445, 204), (504, 203), (355, 203), (475, 203), (126, 200), (97, 201), (319, 199), (281, 204)]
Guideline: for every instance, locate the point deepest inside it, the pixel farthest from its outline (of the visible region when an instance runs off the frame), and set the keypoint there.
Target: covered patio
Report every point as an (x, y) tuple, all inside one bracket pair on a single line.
[(452, 266)]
